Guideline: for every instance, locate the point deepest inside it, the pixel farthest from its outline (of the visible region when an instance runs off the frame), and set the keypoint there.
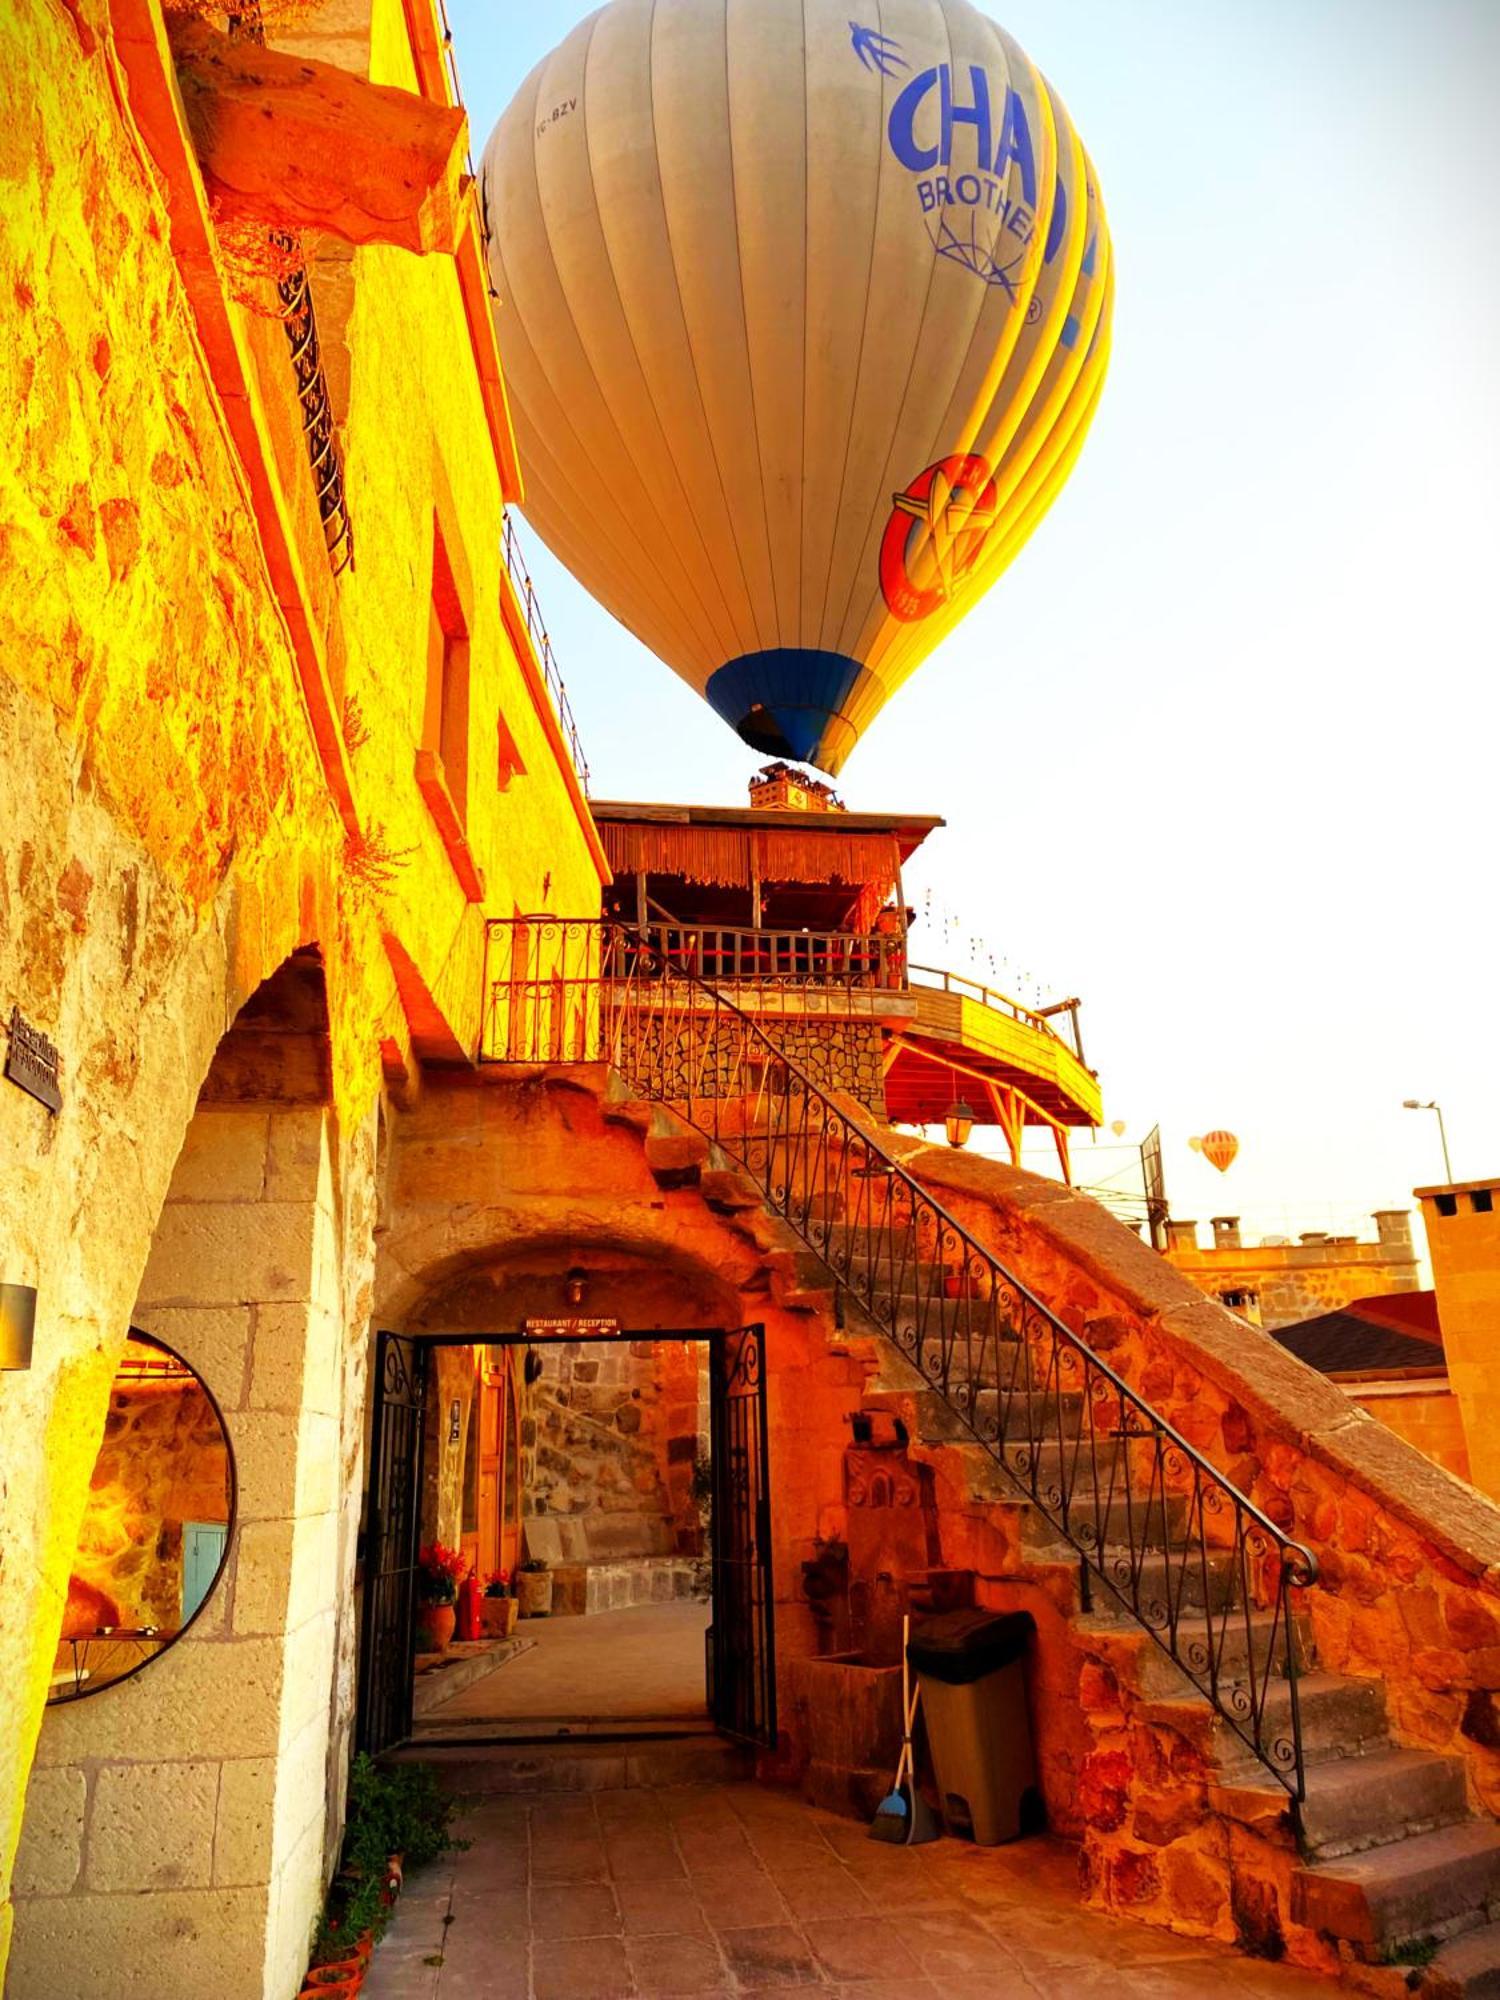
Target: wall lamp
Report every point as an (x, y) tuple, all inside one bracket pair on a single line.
[(17, 1325), (1417, 1104), (575, 1286)]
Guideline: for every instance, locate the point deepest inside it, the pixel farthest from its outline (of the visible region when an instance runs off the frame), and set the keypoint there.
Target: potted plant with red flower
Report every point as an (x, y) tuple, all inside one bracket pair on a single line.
[(498, 1610), (439, 1570)]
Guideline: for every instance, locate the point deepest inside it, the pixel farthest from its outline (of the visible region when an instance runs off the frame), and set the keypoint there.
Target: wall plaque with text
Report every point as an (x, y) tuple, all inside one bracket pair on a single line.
[(33, 1061)]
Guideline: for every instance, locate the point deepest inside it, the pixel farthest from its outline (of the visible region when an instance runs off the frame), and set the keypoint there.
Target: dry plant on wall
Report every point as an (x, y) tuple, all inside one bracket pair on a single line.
[(370, 859), (273, 17), (257, 257), (356, 729)]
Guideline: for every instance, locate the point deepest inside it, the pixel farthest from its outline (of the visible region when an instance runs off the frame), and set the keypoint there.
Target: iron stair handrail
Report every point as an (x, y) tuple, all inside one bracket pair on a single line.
[(823, 1172)]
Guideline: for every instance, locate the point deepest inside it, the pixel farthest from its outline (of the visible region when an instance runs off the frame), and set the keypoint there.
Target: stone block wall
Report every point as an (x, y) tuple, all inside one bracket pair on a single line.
[(610, 1438), (1297, 1281), (182, 1818), (838, 1054), (1427, 1414)]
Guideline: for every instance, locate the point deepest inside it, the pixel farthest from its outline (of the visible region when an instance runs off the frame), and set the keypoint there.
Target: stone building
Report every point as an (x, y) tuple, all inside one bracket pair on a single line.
[(276, 741), (1388, 1354), (1278, 1283), (296, 1088)]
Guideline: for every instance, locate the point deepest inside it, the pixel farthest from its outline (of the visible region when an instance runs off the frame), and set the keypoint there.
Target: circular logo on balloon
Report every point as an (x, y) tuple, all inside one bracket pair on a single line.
[(936, 534)]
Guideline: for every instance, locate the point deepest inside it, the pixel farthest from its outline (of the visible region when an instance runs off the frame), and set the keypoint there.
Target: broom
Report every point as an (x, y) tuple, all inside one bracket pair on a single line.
[(903, 1816)]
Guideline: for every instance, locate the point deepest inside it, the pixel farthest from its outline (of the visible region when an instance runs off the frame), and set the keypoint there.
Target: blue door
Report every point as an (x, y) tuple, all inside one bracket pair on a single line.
[(202, 1552)]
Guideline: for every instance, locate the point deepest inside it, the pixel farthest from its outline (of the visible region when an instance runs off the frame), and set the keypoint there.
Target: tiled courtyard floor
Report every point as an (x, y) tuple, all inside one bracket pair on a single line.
[(738, 1889)]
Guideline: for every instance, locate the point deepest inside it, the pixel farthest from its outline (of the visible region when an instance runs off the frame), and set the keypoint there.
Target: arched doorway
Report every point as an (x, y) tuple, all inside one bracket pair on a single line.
[(411, 1408)]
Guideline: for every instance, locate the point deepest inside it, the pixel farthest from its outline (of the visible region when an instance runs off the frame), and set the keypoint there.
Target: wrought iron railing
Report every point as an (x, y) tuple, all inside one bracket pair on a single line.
[(536, 627), (1152, 1521), (1040, 1018)]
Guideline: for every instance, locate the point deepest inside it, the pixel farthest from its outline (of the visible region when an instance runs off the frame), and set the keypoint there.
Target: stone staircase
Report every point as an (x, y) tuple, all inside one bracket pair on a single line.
[(1390, 1874), (1391, 1866)]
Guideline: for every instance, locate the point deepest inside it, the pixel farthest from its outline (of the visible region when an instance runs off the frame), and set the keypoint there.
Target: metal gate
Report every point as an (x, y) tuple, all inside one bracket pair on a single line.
[(392, 1533), (742, 1651)]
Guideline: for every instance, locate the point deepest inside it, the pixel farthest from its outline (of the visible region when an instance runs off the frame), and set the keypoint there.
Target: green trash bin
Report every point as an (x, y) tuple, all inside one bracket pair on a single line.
[(972, 1670)]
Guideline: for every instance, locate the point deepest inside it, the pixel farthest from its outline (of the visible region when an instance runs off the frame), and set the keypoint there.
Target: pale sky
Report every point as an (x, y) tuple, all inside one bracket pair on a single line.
[(1219, 752)]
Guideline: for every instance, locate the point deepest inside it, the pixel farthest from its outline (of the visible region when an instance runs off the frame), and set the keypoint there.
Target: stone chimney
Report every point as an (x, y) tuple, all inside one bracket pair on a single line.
[(1226, 1229), (1182, 1235), (1394, 1225), (1462, 1220)]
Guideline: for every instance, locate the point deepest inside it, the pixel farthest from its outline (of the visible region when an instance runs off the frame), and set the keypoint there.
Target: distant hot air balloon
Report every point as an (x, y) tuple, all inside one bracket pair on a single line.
[(1118, 1128), (804, 320), (1219, 1149)]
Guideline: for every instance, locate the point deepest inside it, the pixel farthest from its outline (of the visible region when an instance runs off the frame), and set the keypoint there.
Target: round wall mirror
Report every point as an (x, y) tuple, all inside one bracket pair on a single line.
[(155, 1532)]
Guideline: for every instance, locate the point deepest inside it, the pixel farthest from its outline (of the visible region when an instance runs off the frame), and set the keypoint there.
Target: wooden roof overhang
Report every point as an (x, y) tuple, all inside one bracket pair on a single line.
[(958, 1041), (728, 847)]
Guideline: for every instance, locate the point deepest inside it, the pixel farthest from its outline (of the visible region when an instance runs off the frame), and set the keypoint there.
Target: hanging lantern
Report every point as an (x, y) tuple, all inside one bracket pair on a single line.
[(959, 1122), (1220, 1149)]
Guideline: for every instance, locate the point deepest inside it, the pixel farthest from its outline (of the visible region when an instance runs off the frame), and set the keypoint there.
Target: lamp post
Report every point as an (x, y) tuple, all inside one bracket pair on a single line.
[(1417, 1104)]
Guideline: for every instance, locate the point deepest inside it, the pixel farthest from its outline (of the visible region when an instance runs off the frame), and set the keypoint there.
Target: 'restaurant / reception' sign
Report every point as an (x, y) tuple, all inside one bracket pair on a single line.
[(573, 1329)]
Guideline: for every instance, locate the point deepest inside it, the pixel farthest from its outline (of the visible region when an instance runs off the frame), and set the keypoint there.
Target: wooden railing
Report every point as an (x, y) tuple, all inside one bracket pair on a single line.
[(1043, 1019), (800, 958)]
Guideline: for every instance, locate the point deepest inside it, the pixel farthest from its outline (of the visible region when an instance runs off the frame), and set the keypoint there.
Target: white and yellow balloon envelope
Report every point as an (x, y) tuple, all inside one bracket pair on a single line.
[(805, 317)]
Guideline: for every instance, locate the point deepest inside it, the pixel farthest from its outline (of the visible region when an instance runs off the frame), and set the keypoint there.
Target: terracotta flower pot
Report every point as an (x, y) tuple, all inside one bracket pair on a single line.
[(336, 1982), (435, 1624), (498, 1617), (535, 1593)]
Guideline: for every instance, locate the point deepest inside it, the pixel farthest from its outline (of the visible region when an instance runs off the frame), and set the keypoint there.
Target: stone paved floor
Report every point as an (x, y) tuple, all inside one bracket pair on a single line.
[(739, 1889), (616, 1665)]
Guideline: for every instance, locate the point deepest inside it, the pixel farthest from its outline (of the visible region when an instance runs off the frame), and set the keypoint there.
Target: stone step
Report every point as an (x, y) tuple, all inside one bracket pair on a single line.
[(675, 1153), (1226, 1638), (477, 1770), (1429, 1885), (1341, 1717), (942, 1419), (1469, 1965), (1163, 1578), (991, 1360), (1356, 1803), (441, 1676)]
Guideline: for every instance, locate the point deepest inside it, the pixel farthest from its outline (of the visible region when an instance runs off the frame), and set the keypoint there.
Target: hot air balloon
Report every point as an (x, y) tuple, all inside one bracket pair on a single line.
[(1118, 1128), (805, 320), (1220, 1149), (1195, 1145)]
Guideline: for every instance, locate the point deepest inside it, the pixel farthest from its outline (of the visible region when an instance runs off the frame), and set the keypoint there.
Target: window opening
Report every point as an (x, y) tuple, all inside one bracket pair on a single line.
[(445, 730)]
